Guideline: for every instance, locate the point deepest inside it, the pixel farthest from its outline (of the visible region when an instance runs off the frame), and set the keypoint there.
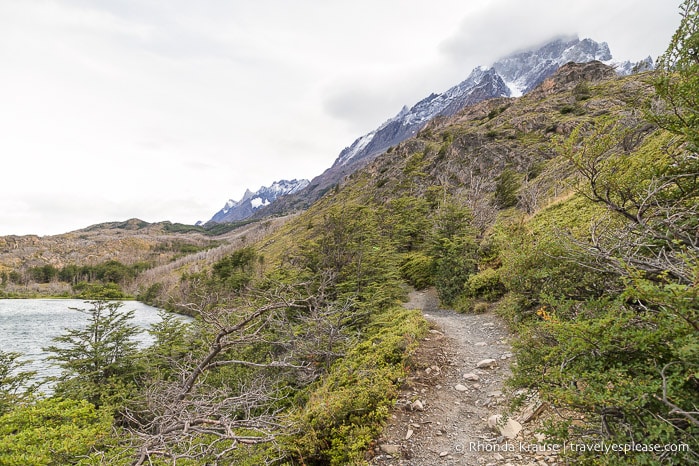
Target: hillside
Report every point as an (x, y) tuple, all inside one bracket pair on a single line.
[(31, 265), (465, 156), (510, 76), (521, 205)]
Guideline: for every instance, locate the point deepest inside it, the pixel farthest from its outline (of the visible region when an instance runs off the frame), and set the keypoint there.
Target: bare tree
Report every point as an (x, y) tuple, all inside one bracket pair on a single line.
[(301, 330), (653, 224), (175, 415)]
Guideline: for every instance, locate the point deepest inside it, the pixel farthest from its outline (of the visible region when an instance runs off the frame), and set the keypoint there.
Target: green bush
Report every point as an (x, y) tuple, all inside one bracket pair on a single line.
[(51, 432), (416, 269), (486, 285), (347, 408), (629, 364), (507, 186), (480, 308), (87, 290)]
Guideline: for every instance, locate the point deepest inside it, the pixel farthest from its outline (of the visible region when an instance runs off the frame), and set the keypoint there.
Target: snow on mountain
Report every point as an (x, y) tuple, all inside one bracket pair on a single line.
[(511, 76), (234, 211)]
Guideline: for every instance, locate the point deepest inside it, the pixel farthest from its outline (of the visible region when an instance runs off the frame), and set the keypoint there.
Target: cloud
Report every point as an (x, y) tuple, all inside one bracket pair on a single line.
[(633, 29), (359, 105), (161, 107)]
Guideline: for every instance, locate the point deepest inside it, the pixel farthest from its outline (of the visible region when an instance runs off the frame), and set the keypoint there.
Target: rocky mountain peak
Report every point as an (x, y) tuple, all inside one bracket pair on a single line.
[(235, 211), (523, 71)]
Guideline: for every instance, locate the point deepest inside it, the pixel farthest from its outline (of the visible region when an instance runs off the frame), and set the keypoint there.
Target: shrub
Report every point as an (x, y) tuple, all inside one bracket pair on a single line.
[(507, 185), (416, 269), (486, 285), (347, 409), (52, 431), (480, 308)]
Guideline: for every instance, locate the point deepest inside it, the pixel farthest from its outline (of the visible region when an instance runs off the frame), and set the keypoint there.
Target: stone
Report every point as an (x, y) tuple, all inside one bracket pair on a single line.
[(471, 377), (508, 429), (417, 406), (480, 343), (409, 434), (390, 449), (443, 454), (493, 421), (460, 388), (485, 364)]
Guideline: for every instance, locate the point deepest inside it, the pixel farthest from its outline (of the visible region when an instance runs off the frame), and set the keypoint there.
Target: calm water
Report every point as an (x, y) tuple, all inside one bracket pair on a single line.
[(27, 325)]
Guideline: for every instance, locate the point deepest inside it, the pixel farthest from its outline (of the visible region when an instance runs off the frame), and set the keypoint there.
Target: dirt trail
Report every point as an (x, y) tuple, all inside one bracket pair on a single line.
[(441, 417)]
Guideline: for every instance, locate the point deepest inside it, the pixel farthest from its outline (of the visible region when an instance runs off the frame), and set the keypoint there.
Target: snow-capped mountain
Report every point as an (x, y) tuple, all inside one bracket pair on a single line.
[(511, 76), (523, 71), (235, 211), (480, 85)]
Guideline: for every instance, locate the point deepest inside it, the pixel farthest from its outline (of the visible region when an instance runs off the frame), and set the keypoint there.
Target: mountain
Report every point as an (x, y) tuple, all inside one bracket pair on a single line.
[(511, 76), (235, 211)]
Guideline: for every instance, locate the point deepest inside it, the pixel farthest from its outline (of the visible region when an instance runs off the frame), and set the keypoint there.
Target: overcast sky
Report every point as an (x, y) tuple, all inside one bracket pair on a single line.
[(164, 110)]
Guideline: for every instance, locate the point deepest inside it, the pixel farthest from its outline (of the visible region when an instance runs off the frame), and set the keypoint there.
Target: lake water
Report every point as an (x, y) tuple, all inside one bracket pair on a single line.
[(27, 325)]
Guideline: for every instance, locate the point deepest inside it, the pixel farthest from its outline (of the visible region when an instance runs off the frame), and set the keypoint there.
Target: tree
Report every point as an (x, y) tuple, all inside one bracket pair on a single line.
[(97, 360), (351, 249), (454, 249), (209, 408), (15, 384), (677, 84), (506, 187)]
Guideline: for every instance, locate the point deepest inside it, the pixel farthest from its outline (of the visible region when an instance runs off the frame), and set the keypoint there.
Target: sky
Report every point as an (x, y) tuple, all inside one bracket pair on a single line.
[(164, 110)]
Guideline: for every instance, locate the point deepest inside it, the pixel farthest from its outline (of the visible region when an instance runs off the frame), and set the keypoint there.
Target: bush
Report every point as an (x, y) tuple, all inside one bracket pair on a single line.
[(463, 303), (480, 308), (486, 285), (98, 291), (346, 410), (52, 431), (416, 269), (507, 186)]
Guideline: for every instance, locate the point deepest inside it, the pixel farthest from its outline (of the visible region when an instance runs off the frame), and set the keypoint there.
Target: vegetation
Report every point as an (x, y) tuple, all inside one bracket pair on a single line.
[(99, 360), (608, 313), (52, 431), (16, 384)]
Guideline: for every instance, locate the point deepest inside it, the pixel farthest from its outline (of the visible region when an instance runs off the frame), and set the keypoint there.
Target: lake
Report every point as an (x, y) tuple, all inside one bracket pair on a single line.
[(27, 325)]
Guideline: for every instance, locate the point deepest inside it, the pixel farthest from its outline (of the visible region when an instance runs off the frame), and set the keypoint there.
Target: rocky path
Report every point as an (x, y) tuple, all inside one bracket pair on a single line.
[(445, 413)]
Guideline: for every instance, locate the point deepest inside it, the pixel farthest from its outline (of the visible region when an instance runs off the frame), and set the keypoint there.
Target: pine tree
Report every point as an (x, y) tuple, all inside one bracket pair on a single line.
[(97, 360)]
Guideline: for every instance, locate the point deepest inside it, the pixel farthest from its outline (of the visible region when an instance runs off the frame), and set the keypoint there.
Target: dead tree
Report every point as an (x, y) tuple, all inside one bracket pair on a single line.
[(304, 330), (175, 416)]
